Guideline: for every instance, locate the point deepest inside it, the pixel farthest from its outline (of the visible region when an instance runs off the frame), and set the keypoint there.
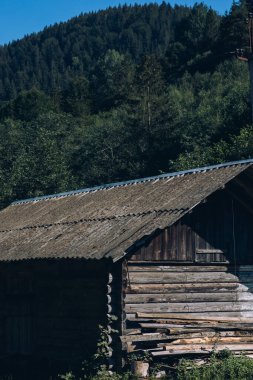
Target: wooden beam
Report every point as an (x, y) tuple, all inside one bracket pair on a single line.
[(210, 347), (191, 317), (189, 287)]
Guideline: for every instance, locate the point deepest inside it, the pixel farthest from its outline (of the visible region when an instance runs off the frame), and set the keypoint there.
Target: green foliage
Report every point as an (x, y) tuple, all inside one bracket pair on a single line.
[(71, 50), (97, 367), (106, 149), (102, 374), (141, 356), (67, 376), (220, 367), (112, 80), (233, 33), (128, 92), (33, 157), (75, 99), (27, 106), (238, 147), (103, 347)]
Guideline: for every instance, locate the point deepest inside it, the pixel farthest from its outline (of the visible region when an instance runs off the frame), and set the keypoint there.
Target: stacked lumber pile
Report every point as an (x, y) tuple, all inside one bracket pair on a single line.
[(177, 335), (188, 309)]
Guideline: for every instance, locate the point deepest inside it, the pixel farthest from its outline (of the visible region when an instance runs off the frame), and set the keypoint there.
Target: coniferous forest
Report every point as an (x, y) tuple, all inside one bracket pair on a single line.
[(123, 93)]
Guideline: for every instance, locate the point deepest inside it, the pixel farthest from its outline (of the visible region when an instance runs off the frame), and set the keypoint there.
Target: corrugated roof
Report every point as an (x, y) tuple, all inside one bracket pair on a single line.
[(106, 221)]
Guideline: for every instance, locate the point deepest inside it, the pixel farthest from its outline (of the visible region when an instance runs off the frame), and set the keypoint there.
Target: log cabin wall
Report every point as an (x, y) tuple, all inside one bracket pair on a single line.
[(50, 312), (191, 286)]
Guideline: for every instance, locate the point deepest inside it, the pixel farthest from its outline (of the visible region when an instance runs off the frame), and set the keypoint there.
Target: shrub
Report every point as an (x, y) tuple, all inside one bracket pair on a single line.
[(223, 366)]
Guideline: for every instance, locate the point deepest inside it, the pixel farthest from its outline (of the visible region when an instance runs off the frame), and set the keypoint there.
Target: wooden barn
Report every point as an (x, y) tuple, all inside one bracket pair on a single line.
[(171, 256)]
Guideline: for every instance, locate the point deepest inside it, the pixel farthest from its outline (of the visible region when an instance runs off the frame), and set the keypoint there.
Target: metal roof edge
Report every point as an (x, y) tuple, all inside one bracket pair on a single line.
[(134, 181)]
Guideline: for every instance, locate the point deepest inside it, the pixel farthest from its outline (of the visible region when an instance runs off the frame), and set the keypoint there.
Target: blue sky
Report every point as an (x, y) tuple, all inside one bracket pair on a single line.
[(20, 17)]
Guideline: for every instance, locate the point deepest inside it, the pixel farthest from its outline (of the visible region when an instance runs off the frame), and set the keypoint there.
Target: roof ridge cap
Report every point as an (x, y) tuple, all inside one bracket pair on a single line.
[(133, 181)]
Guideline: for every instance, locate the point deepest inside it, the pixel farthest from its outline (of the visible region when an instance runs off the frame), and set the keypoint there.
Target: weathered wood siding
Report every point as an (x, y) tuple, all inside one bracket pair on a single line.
[(51, 310), (219, 230), (161, 300), (205, 290), (189, 278)]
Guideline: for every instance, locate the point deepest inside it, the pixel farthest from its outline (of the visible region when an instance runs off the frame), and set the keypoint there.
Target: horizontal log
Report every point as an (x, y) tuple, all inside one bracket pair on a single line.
[(133, 317), (175, 329), (167, 326), (144, 337), (161, 317), (193, 307), (196, 352), (218, 328), (225, 330), (210, 347), (177, 278), (219, 335), (214, 340), (210, 251), (179, 353), (190, 325), (178, 268), (133, 267), (195, 317), (188, 297), (191, 338), (184, 288), (199, 322), (133, 331)]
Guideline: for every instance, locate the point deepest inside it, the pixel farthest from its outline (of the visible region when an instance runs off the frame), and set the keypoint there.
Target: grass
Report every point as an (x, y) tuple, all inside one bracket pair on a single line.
[(222, 366)]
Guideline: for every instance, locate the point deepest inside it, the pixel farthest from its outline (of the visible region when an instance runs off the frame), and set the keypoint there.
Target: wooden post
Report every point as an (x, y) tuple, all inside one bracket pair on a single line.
[(251, 84)]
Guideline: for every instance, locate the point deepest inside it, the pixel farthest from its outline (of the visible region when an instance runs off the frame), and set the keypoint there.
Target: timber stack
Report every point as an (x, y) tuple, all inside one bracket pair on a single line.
[(188, 310)]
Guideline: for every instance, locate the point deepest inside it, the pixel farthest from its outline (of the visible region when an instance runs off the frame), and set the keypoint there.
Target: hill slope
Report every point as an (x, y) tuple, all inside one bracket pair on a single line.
[(123, 93), (48, 59)]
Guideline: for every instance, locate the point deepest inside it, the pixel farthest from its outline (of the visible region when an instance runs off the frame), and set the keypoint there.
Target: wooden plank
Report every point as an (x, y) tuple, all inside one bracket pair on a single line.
[(145, 337), (177, 327), (188, 297), (237, 329), (193, 307), (178, 268), (192, 338), (210, 347), (179, 353), (214, 326), (166, 325), (143, 266), (216, 334), (216, 339), (133, 317), (185, 288), (197, 352), (182, 278), (209, 251), (195, 317), (133, 331)]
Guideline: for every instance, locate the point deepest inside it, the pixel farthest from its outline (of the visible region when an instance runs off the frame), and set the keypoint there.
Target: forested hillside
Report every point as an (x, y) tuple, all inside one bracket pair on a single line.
[(127, 92)]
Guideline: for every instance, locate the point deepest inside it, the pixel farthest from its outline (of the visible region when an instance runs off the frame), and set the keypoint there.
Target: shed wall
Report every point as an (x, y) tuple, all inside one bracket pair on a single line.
[(188, 308), (50, 312), (219, 230), (188, 278)]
